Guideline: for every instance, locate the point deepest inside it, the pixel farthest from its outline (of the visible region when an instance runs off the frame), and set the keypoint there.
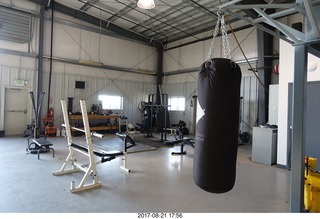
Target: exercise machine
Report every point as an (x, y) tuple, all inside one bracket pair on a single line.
[(181, 140), (156, 116), (126, 127), (87, 150), (38, 144)]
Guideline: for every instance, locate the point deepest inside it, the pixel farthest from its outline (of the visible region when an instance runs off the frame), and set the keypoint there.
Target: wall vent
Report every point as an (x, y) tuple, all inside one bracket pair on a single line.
[(15, 25)]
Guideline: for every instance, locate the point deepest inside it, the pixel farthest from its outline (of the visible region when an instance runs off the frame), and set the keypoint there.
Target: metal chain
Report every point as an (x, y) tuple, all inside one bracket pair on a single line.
[(225, 39), (215, 33)]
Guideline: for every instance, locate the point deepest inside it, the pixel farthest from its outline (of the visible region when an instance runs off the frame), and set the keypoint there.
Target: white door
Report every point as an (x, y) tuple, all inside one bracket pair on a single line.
[(15, 111)]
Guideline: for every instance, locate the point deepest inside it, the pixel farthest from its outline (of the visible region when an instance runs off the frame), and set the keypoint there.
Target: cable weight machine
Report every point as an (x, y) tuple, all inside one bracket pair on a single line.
[(39, 143), (156, 116)]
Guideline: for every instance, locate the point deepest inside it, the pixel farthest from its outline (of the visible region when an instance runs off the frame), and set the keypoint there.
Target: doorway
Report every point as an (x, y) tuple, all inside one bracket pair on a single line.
[(15, 111), (312, 109)]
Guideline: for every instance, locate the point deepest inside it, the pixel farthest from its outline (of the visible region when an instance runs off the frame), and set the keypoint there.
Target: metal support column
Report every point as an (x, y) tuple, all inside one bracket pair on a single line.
[(40, 57), (159, 75), (51, 51), (265, 47), (298, 131)]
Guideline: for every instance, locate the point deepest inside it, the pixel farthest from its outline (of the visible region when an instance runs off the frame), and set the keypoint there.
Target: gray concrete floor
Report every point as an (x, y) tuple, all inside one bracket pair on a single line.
[(159, 182)]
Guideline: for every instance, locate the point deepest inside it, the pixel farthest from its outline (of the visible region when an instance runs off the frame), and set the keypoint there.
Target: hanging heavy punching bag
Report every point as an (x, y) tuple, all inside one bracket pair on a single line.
[(216, 146)]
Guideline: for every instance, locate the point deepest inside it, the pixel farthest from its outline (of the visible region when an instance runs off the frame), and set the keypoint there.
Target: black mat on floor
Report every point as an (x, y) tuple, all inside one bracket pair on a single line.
[(113, 142), (152, 141)]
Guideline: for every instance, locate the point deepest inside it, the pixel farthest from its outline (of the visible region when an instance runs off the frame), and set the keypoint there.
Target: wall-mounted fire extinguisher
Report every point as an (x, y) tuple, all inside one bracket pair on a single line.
[(50, 113)]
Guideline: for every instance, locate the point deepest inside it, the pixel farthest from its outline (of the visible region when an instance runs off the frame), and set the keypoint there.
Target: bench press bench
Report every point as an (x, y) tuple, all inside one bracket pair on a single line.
[(105, 155), (182, 142), (41, 145)]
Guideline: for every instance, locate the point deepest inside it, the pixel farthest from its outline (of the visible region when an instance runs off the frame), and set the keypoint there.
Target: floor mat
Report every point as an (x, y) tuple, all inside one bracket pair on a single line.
[(113, 142), (152, 141)]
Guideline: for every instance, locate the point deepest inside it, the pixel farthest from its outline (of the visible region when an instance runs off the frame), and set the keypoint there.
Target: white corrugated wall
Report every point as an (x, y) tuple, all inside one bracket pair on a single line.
[(248, 108), (75, 44), (62, 87)]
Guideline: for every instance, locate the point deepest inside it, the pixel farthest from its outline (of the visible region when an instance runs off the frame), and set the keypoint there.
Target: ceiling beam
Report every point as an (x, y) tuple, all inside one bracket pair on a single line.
[(87, 5), (104, 24), (122, 12), (277, 25), (313, 20), (128, 18), (270, 6), (272, 32)]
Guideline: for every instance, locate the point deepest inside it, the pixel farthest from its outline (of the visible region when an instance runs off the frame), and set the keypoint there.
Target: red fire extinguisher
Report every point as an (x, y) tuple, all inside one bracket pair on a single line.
[(50, 114)]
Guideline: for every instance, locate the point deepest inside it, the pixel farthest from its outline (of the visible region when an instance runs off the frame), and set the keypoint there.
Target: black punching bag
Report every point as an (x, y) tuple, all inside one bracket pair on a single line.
[(216, 147)]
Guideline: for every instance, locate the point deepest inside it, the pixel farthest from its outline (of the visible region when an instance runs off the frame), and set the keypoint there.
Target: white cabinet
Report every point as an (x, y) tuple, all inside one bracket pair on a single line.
[(264, 145)]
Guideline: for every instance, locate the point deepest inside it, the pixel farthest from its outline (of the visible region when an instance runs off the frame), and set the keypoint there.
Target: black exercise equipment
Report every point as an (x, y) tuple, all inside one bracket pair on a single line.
[(181, 140), (104, 155), (156, 115), (127, 139), (182, 129), (39, 144), (217, 125), (29, 130), (70, 105), (149, 118)]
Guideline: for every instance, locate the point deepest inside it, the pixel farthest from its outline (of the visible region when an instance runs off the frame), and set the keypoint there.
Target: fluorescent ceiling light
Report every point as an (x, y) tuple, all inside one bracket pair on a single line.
[(146, 4)]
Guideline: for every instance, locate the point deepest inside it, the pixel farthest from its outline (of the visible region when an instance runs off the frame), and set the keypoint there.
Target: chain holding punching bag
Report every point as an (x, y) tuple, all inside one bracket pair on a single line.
[(216, 146)]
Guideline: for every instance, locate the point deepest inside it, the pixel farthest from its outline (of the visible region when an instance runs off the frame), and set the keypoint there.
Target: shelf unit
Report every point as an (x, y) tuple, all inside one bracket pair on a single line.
[(114, 124)]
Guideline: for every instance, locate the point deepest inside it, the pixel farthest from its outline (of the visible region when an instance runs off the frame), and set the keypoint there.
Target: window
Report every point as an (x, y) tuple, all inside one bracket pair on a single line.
[(111, 102), (177, 103)]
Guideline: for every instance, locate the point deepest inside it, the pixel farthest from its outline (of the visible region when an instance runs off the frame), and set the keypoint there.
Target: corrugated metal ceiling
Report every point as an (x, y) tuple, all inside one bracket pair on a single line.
[(169, 21), (173, 20)]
